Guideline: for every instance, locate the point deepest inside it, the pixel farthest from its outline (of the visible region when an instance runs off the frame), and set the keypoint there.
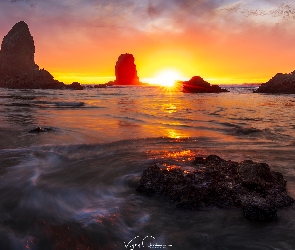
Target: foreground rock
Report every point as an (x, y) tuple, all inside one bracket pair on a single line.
[(217, 182), (198, 85), (18, 69), (125, 71), (279, 84)]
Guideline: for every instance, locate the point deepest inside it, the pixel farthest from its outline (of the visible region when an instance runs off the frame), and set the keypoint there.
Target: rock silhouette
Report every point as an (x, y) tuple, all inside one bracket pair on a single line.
[(125, 71), (18, 69), (217, 182), (17, 52), (37, 79), (279, 84), (198, 85), (75, 86)]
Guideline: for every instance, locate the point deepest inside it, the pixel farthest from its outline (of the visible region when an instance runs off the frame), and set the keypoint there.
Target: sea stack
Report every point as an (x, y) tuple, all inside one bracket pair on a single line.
[(125, 71), (17, 65), (279, 84), (17, 52), (198, 85)]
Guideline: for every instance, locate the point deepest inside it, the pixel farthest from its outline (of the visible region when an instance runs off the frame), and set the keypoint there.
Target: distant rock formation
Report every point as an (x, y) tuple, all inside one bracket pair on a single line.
[(279, 84), (217, 182), (75, 86), (104, 85), (18, 69), (198, 85), (125, 71)]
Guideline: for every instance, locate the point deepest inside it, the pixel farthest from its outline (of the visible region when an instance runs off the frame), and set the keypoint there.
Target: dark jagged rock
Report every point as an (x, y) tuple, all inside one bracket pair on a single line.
[(279, 84), (17, 65), (125, 71), (217, 182), (198, 85)]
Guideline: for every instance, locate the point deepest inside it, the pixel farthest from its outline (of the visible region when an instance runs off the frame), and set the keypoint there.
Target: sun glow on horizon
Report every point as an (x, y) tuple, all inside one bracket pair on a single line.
[(166, 78)]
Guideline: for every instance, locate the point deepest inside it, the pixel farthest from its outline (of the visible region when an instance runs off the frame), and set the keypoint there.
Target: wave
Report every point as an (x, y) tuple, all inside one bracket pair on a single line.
[(19, 104), (83, 196), (246, 131)]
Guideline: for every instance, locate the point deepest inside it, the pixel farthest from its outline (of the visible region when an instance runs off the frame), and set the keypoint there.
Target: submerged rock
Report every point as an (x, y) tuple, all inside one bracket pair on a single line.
[(198, 85), (217, 182), (40, 130), (125, 71), (18, 69), (279, 84)]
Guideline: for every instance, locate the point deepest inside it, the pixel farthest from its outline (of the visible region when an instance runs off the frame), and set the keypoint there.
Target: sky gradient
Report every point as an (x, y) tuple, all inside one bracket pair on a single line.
[(223, 41)]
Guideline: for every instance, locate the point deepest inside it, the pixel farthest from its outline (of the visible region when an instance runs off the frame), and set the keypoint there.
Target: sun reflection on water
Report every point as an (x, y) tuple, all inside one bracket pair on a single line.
[(174, 134), (170, 108), (180, 156)]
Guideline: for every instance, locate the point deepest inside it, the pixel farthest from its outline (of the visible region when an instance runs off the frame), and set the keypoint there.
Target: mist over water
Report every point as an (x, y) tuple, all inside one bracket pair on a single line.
[(74, 186)]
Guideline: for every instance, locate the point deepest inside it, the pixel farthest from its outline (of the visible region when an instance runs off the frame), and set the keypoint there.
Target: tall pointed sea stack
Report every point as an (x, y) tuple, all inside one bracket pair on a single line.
[(17, 65), (17, 52), (125, 70)]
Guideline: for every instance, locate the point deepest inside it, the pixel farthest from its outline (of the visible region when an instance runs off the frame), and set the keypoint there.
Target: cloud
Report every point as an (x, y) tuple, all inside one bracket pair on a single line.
[(284, 11), (145, 16), (98, 19), (263, 11), (82, 34)]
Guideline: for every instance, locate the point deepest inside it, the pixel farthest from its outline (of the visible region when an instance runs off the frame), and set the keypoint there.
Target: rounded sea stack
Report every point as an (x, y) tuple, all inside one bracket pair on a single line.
[(125, 70)]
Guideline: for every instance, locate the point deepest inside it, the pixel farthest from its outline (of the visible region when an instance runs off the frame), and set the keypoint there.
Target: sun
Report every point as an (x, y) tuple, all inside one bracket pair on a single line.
[(166, 78)]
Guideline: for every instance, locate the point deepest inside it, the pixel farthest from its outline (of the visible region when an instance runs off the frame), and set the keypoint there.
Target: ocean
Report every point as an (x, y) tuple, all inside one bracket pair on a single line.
[(74, 186)]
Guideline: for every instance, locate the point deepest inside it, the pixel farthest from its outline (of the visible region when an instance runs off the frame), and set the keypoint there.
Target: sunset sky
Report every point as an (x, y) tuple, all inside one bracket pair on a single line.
[(224, 41)]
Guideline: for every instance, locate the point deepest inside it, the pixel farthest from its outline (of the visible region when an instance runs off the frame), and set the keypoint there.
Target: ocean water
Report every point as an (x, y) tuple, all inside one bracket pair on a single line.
[(74, 186)]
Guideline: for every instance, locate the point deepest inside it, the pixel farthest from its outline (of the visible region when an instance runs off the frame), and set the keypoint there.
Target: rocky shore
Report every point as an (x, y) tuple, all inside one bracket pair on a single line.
[(251, 186), (279, 84)]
